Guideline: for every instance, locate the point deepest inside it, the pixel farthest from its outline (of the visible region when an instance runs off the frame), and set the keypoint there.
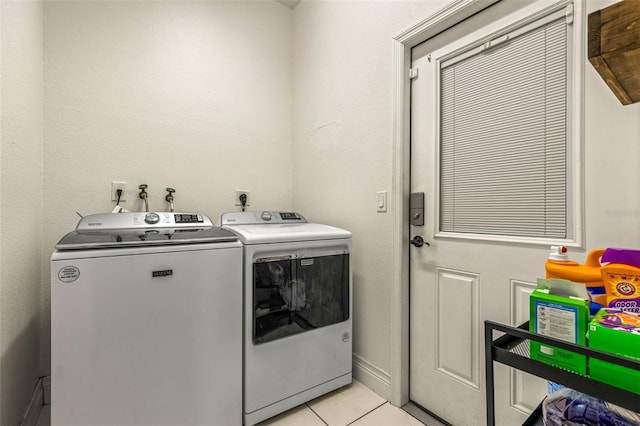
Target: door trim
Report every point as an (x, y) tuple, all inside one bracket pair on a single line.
[(450, 15), (442, 19)]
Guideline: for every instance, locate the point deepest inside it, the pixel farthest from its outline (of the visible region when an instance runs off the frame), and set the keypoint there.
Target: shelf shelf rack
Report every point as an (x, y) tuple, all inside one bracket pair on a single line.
[(512, 349)]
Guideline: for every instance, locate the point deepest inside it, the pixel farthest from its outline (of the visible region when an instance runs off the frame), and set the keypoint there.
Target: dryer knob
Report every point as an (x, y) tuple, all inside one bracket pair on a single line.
[(152, 218), (266, 216)]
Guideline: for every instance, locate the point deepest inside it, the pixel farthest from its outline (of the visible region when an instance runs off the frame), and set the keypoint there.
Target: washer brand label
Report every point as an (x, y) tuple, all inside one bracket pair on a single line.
[(306, 262), (346, 336), (164, 273), (68, 274)]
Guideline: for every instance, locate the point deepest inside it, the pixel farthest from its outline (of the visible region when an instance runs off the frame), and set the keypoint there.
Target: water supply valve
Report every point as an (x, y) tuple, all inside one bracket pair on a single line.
[(169, 197), (143, 194)]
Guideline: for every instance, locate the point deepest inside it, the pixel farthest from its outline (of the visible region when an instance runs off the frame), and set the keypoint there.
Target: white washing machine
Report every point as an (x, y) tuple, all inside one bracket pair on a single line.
[(297, 310), (146, 322)]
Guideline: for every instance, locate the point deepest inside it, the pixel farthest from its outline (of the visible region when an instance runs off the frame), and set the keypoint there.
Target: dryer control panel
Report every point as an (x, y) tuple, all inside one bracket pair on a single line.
[(260, 217)]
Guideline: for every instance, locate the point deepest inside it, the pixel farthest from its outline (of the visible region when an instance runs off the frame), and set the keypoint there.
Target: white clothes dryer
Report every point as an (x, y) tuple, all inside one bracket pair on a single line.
[(146, 322), (297, 310)]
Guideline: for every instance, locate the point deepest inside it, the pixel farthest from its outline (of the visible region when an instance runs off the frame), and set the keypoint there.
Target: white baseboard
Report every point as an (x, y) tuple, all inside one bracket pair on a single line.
[(372, 377), (32, 412)]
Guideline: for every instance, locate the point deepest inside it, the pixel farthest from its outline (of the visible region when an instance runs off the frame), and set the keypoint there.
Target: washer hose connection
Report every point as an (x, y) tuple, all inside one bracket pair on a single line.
[(143, 194)]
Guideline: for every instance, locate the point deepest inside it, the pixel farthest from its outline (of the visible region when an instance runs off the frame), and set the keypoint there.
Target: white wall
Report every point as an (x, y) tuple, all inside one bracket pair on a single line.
[(343, 147), (343, 151), (191, 95), (20, 204), (198, 96), (612, 152)]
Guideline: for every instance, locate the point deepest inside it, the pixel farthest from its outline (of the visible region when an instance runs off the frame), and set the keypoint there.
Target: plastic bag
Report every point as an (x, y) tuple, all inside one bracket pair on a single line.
[(568, 407)]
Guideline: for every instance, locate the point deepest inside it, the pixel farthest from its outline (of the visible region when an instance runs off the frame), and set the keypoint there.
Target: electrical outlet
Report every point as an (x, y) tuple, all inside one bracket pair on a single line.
[(115, 185), (236, 197)]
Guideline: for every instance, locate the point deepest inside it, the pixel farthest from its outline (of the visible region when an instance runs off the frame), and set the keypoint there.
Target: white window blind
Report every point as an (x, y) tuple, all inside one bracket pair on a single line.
[(503, 135)]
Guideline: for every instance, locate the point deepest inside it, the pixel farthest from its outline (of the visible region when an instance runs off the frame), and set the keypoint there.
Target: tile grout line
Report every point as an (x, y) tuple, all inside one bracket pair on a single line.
[(317, 415), (367, 413)]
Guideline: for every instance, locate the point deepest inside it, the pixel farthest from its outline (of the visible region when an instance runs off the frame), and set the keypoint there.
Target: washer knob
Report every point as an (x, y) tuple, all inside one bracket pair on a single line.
[(152, 218), (266, 216)]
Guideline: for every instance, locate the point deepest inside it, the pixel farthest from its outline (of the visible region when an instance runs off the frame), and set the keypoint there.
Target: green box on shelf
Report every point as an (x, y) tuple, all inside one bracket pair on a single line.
[(559, 309), (618, 333)]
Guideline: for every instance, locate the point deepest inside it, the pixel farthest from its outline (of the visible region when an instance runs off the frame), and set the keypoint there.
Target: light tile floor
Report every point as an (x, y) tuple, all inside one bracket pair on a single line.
[(354, 404)]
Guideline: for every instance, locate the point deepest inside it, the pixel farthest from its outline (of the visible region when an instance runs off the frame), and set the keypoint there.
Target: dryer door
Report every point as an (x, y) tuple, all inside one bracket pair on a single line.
[(294, 294)]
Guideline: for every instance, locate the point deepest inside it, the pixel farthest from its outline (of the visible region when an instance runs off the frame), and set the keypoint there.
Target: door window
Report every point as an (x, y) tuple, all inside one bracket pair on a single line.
[(294, 295), (504, 120)]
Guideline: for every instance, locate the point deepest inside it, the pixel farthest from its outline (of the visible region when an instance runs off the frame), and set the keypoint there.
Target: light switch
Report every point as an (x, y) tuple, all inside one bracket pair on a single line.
[(382, 201)]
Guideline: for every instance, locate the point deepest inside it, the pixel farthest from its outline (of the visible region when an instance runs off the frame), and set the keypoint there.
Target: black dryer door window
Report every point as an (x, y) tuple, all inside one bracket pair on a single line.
[(295, 295)]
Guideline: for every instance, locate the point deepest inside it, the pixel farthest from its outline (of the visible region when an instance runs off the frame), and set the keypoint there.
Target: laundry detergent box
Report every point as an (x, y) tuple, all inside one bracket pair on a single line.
[(559, 309), (616, 332)]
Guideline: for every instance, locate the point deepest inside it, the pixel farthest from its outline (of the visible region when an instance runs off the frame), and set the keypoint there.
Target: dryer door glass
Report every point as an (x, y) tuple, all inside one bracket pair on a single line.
[(292, 296)]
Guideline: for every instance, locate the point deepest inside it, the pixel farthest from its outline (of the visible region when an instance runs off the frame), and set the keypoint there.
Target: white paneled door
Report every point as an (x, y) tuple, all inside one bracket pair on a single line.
[(458, 283)]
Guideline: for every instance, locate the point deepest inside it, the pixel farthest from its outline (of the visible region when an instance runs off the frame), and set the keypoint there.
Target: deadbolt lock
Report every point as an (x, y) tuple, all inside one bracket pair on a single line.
[(416, 205)]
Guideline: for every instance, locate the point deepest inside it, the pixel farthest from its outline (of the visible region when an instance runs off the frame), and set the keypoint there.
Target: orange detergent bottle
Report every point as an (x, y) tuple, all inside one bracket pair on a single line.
[(559, 266)]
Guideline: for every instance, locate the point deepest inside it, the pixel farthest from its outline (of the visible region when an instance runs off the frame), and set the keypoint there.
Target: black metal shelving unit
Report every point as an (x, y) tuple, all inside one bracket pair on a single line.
[(512, 349)]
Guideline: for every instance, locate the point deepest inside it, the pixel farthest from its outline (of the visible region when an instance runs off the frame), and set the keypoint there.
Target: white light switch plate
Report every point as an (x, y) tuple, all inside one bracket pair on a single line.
[(382, 201)]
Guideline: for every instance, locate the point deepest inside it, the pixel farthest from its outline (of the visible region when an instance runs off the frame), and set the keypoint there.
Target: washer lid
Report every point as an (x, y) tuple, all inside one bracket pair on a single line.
[(78, 240)]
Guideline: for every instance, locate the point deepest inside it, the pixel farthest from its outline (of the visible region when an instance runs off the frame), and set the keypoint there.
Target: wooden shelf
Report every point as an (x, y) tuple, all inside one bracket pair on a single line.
[(614, 48)]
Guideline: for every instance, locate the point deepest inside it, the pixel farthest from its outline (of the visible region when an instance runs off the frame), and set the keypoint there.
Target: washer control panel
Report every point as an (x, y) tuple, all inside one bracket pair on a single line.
[(152, 218), (290, 216), (137, 220), (266, 216), (188, 218)]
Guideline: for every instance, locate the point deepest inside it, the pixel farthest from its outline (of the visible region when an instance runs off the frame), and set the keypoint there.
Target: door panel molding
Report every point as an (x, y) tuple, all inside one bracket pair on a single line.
[(520, 291), (524, 398), (457, 317)]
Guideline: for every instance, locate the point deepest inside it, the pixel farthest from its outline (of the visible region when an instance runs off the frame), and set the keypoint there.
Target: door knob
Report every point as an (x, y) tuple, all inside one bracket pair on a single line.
[(418, 241)]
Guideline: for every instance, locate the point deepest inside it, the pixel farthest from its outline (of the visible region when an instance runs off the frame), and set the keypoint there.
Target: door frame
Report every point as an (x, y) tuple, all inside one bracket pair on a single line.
[(445, 18), (450, 15)]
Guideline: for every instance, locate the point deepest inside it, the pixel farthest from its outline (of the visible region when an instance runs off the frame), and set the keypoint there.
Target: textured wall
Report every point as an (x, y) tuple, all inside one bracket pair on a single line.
[(343, 142), (343, 147), (612, 150), (20, 204), (190, 95), (198, 96)]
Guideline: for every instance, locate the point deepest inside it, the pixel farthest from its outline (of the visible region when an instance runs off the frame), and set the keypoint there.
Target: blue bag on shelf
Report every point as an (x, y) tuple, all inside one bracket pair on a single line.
[(568, 407)]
